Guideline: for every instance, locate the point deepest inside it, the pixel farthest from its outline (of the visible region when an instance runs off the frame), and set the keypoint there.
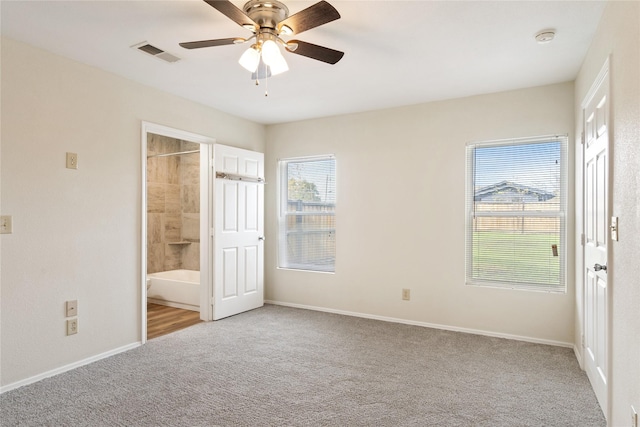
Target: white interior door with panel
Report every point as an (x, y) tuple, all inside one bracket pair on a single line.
[(238, 233), (596, 231)]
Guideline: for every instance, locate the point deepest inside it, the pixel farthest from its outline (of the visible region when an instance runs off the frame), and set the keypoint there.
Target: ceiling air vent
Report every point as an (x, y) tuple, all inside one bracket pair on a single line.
[(155, 52)]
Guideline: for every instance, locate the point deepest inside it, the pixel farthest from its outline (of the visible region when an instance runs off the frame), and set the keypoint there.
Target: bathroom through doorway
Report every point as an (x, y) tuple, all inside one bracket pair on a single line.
[(176, 211)]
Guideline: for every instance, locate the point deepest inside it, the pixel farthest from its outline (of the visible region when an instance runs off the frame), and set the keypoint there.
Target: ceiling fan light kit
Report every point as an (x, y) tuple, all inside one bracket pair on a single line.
[(270, 51), (250, 58), (268, 20)]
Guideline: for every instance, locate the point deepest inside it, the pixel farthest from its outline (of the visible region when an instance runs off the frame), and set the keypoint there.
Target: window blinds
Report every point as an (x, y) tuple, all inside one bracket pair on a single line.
[(516, 202), (307, 214)]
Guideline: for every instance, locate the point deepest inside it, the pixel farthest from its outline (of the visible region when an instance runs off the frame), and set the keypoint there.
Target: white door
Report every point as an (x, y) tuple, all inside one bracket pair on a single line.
[(238, 235), (596, 231)]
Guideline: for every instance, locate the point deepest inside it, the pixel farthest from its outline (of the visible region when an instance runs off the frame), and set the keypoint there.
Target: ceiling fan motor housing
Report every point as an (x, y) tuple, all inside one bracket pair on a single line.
[(267, 14)]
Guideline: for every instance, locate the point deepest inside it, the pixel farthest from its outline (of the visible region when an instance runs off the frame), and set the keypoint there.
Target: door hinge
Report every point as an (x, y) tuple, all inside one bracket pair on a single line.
[(212, 232), (582, 138), (213, 301), (582, 239), (582, 340)]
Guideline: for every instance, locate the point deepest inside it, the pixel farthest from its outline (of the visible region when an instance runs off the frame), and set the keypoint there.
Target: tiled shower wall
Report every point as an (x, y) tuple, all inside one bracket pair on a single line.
[(173, 205)]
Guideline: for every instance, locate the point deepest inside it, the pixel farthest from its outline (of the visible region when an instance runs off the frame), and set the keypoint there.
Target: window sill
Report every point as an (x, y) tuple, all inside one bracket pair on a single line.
[(517, 287)]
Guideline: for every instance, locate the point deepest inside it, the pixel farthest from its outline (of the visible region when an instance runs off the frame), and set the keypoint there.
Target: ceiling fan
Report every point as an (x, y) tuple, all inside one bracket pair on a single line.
[(268, 20)]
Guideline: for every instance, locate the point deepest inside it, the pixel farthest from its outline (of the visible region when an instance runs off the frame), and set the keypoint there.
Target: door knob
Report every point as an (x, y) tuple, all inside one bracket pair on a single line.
[(261, 238), (599, 267)]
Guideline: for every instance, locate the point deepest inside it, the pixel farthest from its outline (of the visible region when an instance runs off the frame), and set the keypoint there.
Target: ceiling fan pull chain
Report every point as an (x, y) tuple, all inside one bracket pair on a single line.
[(266, 81)]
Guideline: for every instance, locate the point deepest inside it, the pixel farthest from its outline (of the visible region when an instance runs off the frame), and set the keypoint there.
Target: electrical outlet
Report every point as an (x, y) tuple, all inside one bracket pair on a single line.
[(72, 161), (72, 308), (6, 224), (72, 326), (406, 294), (634, 417)]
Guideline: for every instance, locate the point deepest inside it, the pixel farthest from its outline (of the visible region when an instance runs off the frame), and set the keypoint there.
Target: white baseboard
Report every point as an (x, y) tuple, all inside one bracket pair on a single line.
[(578, 354), (68, 367), (426, 325), (173, 304)]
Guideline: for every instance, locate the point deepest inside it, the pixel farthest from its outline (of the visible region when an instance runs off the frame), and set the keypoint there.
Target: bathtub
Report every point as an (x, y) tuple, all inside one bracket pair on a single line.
[(175, 288)]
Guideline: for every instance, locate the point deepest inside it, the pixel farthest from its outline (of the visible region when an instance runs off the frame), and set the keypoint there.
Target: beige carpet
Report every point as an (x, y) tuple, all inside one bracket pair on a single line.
[(279, 366)]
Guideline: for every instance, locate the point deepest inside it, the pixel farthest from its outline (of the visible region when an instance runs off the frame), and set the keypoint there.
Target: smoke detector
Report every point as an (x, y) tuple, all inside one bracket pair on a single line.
[(545, 36)]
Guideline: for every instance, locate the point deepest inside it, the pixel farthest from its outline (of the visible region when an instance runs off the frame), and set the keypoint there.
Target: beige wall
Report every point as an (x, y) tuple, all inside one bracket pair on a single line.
[(400, 213), (618, 36), (77, 232)]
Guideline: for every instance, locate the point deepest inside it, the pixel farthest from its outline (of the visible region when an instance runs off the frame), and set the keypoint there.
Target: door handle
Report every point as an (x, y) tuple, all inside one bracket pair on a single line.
[(261, 238), (599, 267)]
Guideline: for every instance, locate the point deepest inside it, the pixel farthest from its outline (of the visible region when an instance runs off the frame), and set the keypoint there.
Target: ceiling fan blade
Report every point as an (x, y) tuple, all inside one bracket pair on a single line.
[(313, 51), (229, 10), (311, 17), (210, 43)]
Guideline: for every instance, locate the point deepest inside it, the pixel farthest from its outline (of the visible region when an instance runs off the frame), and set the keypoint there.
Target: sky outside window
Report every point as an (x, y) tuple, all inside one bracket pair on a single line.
[(534, 165)]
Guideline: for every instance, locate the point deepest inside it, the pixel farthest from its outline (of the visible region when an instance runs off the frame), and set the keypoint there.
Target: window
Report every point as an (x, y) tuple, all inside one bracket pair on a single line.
[(516, 202), (307, 229)]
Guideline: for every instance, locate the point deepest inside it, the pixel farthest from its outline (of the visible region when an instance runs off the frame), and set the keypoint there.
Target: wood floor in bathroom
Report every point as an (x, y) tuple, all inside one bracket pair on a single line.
[(162, 320)]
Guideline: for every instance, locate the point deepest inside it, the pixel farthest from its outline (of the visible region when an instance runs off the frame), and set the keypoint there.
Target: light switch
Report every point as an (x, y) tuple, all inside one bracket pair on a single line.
[(6, 224), (72, 161), (614, 228), (72, 308)]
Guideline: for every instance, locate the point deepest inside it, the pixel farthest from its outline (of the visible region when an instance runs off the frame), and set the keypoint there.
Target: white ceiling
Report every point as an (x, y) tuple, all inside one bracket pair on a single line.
[(396, 52)]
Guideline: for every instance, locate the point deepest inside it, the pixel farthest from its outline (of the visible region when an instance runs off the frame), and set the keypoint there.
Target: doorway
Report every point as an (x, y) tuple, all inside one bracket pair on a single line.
[(176, 212), (231, 226)]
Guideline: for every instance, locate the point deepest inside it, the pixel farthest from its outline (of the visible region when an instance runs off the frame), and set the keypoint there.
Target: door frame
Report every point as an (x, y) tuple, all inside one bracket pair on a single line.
[(206, 215), (603, 74)]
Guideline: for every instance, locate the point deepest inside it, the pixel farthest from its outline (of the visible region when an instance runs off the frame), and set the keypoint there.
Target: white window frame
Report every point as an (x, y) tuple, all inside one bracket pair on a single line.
[(283, 179), (561, 214)]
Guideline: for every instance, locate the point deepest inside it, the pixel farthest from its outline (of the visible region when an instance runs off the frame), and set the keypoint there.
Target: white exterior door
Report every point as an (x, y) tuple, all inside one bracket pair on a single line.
[(596, 232), (238, 235)]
